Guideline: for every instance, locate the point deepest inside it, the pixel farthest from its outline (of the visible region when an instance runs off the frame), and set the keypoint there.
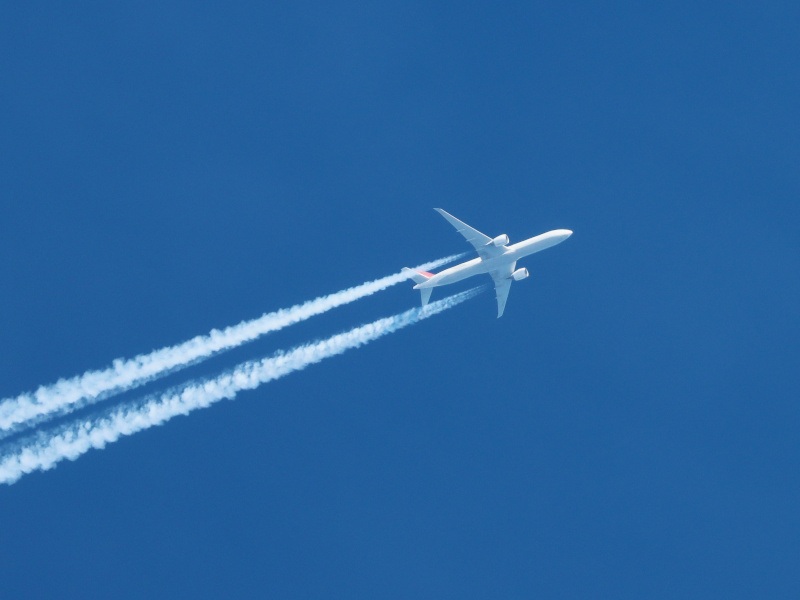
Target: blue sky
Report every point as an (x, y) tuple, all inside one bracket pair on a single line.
[(628, 429)]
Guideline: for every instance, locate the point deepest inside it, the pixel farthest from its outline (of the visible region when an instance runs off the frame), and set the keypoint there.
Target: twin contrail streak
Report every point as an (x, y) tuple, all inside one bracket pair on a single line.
[(73, 440), (67, 395)]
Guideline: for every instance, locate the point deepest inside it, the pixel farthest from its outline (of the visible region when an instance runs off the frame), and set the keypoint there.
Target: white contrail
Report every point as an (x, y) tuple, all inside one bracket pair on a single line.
[(74, 440), (67, 395)]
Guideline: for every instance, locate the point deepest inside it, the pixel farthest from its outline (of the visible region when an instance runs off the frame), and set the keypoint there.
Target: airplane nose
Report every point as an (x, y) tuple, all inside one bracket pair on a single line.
[(567, 233)]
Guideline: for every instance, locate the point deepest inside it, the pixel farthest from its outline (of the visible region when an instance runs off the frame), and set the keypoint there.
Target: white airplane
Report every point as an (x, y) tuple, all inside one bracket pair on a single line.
[(495, 257)]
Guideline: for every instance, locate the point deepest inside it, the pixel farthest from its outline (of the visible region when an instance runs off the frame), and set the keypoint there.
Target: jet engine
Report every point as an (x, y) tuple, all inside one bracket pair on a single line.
[(500, 240), (520, 274)]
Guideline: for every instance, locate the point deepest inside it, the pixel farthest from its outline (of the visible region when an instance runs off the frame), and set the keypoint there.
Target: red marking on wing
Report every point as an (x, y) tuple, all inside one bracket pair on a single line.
[(428, 275)]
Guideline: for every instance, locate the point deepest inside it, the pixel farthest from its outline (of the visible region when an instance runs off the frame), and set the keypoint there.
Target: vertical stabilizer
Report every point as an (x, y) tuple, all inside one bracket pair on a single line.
[(420, 277)]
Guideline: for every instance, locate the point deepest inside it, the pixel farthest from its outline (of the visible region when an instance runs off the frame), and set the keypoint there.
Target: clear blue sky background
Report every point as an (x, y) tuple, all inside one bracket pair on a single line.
[(629, 429)]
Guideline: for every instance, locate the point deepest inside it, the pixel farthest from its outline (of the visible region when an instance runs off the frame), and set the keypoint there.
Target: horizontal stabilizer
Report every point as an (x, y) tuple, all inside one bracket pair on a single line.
[(426, 295), (420, 277)]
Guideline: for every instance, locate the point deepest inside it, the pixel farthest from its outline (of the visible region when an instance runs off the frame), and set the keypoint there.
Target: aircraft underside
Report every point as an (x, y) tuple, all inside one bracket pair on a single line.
[(496, 258)]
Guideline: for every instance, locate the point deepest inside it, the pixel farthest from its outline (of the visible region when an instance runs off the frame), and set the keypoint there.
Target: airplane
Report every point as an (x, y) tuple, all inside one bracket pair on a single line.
[(495, 257)]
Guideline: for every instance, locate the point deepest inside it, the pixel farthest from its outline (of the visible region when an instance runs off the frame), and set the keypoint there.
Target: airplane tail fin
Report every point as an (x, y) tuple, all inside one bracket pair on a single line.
[(417, 276), (420, 277)]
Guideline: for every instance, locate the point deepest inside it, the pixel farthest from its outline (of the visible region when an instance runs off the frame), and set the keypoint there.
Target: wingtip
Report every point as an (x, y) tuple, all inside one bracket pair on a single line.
[(445, 214)]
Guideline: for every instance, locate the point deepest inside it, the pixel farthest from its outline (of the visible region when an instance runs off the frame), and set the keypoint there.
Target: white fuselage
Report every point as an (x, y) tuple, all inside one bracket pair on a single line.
[(510, 255)]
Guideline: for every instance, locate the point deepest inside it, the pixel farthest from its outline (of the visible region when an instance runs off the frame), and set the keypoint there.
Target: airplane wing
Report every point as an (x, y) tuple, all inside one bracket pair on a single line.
[(502, 285), (481, 242)]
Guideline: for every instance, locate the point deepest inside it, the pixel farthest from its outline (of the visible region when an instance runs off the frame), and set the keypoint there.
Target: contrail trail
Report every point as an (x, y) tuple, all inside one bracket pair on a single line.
[(74, 440), (67, 395)]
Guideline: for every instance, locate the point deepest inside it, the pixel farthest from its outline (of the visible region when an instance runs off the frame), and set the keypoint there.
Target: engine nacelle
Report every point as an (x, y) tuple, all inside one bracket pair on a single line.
[(500, 240), (520, 274)]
